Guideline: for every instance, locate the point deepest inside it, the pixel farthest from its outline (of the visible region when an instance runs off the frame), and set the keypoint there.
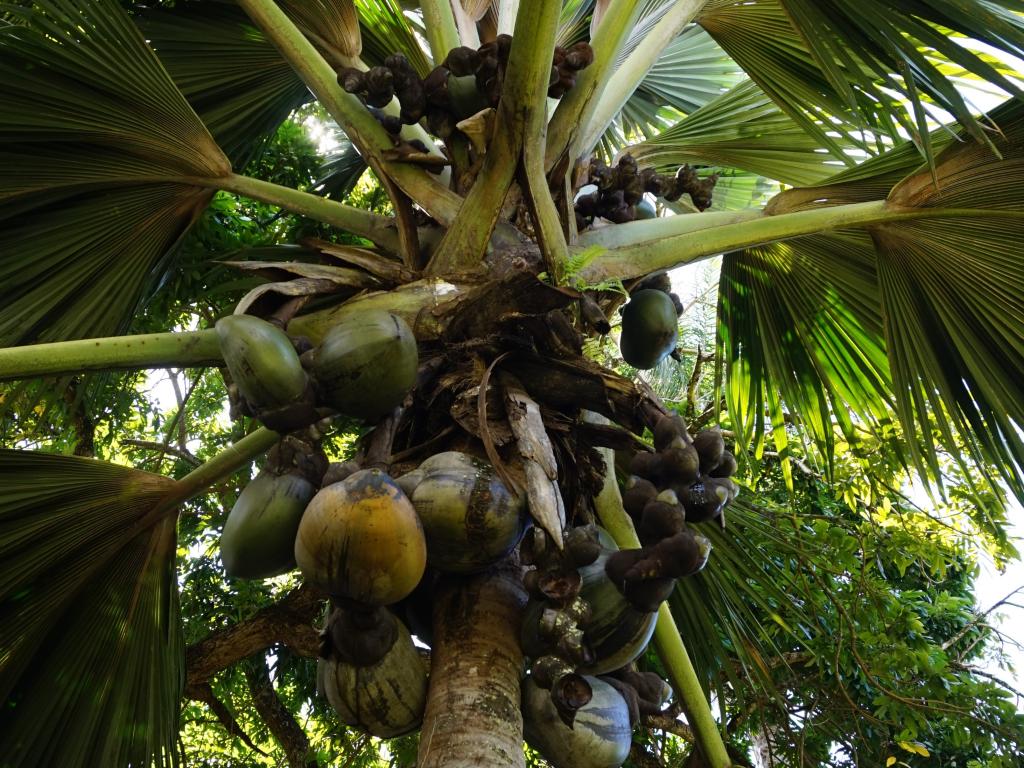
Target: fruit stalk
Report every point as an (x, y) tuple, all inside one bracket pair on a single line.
[(667, 640)]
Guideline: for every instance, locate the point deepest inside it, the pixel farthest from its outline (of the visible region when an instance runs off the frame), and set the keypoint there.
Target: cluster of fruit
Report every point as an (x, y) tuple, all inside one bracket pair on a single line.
[(650, 322), (685, 480), (619, 193), (431, 98)]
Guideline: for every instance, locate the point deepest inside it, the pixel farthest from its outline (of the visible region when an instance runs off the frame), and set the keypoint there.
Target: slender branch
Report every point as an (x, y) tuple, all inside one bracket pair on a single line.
[(359, 125), (288, 621), (205, 694), (979, 619), (682, 248), (163, 448), (632, 72), (379, 229), (573, 111), (151, 350), (667, 640), (522, 108), (276, 715), (439, 23)]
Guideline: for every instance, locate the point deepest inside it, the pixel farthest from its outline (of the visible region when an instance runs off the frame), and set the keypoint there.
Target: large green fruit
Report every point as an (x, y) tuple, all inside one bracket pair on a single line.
[(258, 540), (361, 539), (649, 328), (366, 364), (616, 632), (471, 520), (600, 736), (385, 699), (262, 361)]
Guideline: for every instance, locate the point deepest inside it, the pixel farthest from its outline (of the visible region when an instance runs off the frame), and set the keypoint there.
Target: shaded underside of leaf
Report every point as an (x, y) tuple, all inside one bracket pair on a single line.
[(91, 652), (236, 80), (872, 64), (800, 331), (918, 319), (101, 147)]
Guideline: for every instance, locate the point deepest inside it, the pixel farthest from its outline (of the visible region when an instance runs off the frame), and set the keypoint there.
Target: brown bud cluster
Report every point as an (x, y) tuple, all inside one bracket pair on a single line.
[(620, 191), (685, 480), (428, 98)]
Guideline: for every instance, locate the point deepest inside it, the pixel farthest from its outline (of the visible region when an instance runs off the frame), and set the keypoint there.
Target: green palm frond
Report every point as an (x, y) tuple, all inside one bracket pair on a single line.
[(872, 64), (742, 129), (915, 319), (722, 611), (92, 659), (99, 151), (230, 73), (387, 30), (692, 71)]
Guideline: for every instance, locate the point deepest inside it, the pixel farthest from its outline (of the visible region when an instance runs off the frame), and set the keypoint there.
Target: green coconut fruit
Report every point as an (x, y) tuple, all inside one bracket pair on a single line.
[(649, 328), (471, 520), (361, 539), (600, 736), (258, 540), (262, 361), (366, 364), (616, 632), (386, 699)]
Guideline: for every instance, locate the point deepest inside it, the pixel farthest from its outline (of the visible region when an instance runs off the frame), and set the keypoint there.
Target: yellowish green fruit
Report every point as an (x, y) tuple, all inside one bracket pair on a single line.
[(361, 539), (599, 738), (385, 699), (471, 520)]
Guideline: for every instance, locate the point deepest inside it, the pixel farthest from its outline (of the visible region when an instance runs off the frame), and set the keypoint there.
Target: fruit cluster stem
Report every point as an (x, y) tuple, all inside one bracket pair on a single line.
[(667, 640)]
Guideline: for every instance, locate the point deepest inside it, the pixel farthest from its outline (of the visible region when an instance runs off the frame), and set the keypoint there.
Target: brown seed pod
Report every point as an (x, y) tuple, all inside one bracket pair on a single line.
[(726, 467), (546, 669), (338, 471), (413, 99), (662, 518), (647, 465), (677, 303), (352, 80), (504, 43), (704, 500), (582, 545), (579, 56), (710, 446), (462, 61), (668, 428), (658, 281), (361, 636), (380, 87), (440, 122), (680, 464), (638, 492), (648, 595), (435, 85)]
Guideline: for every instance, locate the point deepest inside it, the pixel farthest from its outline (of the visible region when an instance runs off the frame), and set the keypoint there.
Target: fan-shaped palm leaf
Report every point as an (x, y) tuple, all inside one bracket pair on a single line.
[(939, 297), (865, 60), (742, 129), (91, 653), (230, 73), (87, 107), (386, 30)]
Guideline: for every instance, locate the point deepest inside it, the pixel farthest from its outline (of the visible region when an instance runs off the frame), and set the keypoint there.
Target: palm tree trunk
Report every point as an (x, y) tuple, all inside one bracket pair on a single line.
[(473, 715)]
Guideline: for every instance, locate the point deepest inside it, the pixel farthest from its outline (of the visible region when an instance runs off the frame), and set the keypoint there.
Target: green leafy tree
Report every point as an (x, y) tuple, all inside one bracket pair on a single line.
[(870, 311)]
